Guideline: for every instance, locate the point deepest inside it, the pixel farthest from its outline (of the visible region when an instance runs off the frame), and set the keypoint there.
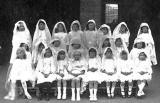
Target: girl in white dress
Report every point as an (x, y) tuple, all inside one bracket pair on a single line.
[(62, 65), (77, 68), (106, 38), (122, 31), (60, 31), (109, 71), (75, 31), (93, 72), (20, 72), (145, 33), (90, 35), (125, 72), (142, 71), (41, 34), (46, 72), (119, 46)]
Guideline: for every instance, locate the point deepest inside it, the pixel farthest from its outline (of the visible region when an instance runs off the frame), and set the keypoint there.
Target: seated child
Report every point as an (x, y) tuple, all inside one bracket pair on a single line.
[(125, 72), (18, 72), (76, 69), (109, 71), (46, 73), (62, 65), (142, 71)]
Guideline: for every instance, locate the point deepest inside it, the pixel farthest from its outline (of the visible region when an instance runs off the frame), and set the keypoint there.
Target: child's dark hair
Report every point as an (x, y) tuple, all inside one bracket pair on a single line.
[(60, 53), (118, 39), (125, 27), (87, 26), (108, 50), (48, 50), (77, 25), (143, 45), (41, 22), (143, 54), (92, 50), (143, 27), (56, 29), (123, 52), (108, 45), (23, 44)]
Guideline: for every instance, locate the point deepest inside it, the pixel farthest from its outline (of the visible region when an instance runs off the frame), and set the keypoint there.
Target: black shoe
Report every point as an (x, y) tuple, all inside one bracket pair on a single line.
[(47, 97)]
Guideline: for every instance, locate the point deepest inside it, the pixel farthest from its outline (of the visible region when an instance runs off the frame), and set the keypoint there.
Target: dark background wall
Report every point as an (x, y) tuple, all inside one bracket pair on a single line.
[(133, 12), (30, 11)]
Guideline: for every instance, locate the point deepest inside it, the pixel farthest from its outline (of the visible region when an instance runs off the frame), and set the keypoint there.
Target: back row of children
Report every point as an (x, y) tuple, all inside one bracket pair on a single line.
[(86, 58)]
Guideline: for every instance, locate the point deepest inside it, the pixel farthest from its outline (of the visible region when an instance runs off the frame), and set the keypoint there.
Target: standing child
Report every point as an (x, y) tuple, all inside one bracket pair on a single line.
[(125, 72), (46, 73), (142, 71), (41, 34), (122, 31), (76, 69), (60, 31), (93, 73), (90, 35), (76, 32), (17, 72), (145, 33), (62, 65), (109, 71)]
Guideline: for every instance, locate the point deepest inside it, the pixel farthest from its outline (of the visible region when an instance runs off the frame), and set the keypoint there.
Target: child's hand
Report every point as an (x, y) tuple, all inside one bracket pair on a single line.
[(142, 73), (46, 75)]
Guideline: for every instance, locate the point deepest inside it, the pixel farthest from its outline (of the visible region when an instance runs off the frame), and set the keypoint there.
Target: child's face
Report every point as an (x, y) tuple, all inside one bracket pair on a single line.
[(48, 53), (75, 27), (144, 29), (91, 26), (108, 54), (106, 42), (62, 56), (41, 25), (60, 28), (21, 27), (56, 43), (41, 47), (124, 56), (118, 42), (123, 29), (104, 30), (20, 54), (77, 56), (76, 46), (142, 56), (92, 54), (139, 45)]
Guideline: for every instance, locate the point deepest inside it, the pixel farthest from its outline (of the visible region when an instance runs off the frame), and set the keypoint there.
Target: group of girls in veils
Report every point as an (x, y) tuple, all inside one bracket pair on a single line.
[(87, 57)]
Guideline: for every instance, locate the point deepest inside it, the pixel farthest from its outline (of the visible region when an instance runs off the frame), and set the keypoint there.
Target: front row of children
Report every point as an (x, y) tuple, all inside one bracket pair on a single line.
[(81, 69)]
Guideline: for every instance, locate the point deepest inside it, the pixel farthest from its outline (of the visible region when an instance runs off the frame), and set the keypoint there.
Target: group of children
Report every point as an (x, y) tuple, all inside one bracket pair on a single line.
[(87, 57)]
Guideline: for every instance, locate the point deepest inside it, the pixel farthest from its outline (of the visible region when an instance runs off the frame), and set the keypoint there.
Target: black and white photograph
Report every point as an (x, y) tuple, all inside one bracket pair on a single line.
[(85, 51)]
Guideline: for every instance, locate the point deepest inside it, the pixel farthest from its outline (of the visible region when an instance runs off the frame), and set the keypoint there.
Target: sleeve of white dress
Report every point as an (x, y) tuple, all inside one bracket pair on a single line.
[(39, 66), (85, 39), (53, 65), (66, 39)]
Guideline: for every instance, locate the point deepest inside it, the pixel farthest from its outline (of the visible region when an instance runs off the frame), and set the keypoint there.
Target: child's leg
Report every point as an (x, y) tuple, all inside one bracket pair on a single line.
[(64, 89), (73, 90), (95, 90), (113, 88), (91, 90), (59, 89), (108, 85), (122, 89), (130, 85), (13, 90), (141, 85), (24, 85), (8, 96), (78, 89)]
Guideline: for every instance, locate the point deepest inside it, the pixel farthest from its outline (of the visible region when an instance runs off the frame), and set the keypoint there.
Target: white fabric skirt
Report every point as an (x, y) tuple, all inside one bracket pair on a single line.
[(124, 78), (138, 76), (109, 78), (92, 76), (42, 79)]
